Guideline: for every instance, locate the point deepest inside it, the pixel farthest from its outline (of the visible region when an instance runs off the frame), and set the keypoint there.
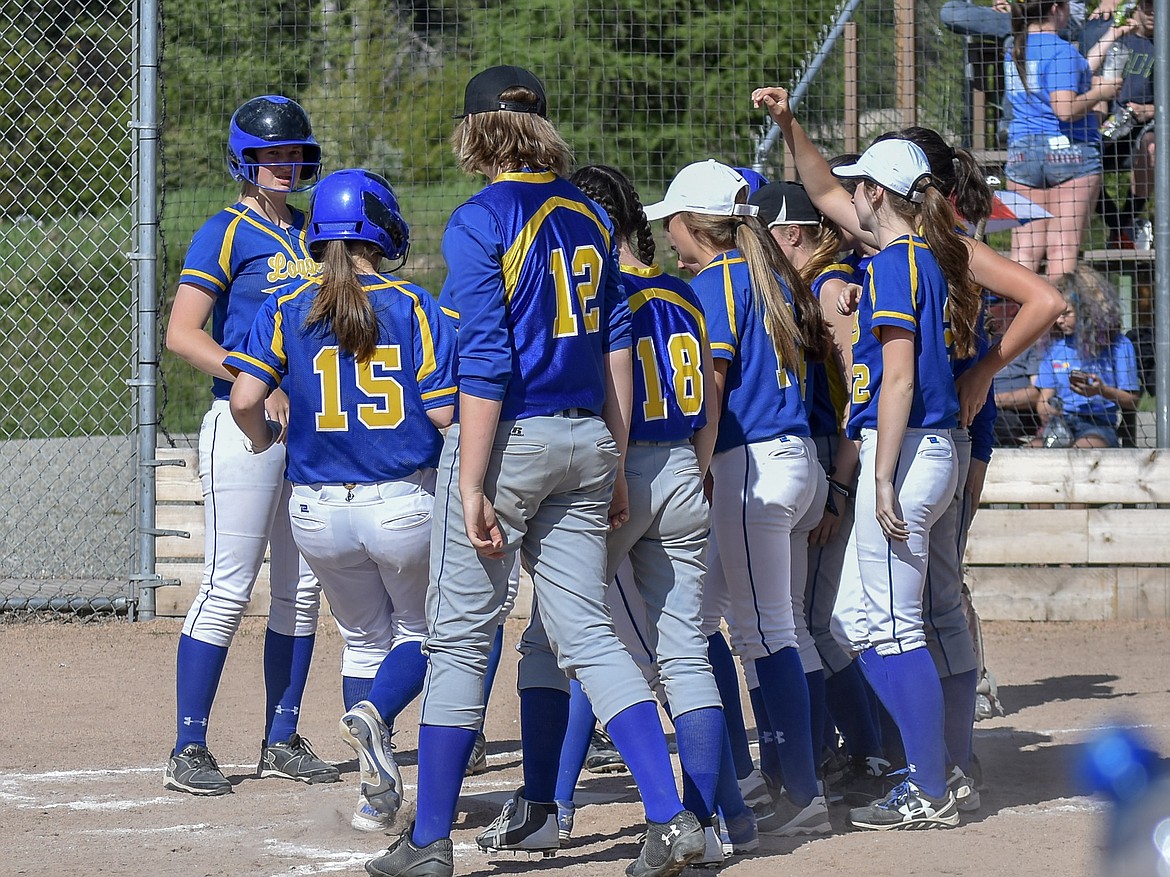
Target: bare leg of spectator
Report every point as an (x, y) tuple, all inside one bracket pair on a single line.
[(1070, 204)]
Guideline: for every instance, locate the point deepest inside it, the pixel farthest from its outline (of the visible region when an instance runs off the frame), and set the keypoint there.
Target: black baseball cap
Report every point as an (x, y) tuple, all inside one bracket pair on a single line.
[(484, 90), (784, 203)]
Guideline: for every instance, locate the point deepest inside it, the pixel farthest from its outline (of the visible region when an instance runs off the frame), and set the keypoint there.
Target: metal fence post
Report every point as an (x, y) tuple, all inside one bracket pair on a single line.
[(1162, 226), (146, 237)]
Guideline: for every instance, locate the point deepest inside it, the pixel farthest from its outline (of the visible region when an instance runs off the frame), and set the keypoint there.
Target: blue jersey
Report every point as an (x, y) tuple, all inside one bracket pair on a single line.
[(1053, 64), (242, 258), (1116, 366), (669, 334), (905, 288), (761, 400), (825, 397), (349, 421), (534, 281), (982, 428)]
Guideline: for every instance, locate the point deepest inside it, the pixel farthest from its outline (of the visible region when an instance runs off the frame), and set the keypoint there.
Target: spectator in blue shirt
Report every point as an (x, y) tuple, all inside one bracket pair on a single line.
[(1091, 366)]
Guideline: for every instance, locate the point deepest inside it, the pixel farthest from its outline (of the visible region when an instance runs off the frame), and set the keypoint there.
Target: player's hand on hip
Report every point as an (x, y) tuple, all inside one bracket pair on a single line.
[(849, 299), (774, 99), (894, 527), (276, 409), (479, 519), (619, 507), (972, 388)]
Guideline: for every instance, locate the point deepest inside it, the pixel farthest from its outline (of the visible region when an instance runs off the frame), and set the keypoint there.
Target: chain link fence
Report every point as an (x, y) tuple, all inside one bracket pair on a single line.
[(66, 307), (645, 87)]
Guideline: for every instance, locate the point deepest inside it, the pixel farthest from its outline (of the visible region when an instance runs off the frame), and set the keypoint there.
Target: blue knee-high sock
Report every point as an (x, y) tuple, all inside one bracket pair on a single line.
[(493, 664), (576, 745), (197, 670), (544, 716), (399, 680), (700, 734), (908, 686), (770, 765), (727, 680), (442, 758), (816, 712), (637, 734), (728, 798), (958, 693), (785, 695), (286, 672), (848, 700), (355, 689), (892, 745)]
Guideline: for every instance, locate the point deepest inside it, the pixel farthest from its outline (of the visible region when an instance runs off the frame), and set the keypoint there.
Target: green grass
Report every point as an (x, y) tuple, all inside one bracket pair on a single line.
[(65, 327)]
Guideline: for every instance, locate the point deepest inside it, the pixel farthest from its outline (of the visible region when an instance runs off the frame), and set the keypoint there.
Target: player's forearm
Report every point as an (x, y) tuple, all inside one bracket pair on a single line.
[(619, 396), (1040, 303), (823, 188), (704, 439), (478, 420), (894, 403), (200, 350), (247, 407)]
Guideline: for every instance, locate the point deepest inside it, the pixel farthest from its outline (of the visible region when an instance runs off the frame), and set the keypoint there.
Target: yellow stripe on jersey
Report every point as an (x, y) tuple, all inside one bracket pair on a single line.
[(898, 315), (260, 365), (285, 245), (729, 297), (438, 394), (454, 315), (718, 345), (656, 293), (214, 280), (514, 258), (426, 336), (225, 248), (526, 177), (278, 322)]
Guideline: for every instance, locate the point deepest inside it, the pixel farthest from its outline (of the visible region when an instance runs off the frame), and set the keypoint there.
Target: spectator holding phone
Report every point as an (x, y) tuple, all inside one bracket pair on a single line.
[(1054, 145), (1091, 367)]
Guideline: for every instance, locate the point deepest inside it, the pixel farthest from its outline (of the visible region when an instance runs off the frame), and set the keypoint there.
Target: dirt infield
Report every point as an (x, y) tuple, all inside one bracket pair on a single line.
[(86, 724)]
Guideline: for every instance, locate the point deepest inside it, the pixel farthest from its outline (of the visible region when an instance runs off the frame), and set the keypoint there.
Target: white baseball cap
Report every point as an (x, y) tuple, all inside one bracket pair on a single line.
[(897, 165), (708, 187)]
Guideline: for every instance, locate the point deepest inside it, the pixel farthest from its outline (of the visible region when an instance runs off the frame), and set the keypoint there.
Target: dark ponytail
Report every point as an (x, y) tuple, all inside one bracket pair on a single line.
[(613, 190)]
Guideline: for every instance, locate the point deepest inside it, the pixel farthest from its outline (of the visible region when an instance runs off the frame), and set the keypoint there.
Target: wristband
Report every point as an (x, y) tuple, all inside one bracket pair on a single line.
[(841, 489), (273, 432)]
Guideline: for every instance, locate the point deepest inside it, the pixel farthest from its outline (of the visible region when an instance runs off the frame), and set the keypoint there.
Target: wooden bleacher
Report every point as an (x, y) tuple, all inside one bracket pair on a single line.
[(1109, 559)]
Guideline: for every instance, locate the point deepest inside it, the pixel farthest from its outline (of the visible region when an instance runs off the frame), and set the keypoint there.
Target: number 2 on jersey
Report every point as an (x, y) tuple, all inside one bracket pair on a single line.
[(686, 376), (385, 411)]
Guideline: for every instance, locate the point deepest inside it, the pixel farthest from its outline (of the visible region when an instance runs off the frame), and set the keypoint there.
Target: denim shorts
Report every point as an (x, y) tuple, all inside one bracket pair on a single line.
[(1103, 426), (1032, 161)]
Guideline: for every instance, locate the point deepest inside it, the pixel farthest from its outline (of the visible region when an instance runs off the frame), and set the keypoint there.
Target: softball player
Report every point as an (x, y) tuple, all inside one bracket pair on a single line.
[(236, 261), (813, 247), (1040, 303), (367, 360), (672, 435), (531, 466), (762, 320), (917, 298)]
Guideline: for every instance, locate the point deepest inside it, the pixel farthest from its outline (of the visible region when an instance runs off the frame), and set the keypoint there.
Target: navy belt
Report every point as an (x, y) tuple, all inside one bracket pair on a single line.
[(573, 412)]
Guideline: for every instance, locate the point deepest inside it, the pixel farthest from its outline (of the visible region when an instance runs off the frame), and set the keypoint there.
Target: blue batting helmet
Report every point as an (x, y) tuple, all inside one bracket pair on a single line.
[(357, 205), (272, 120)]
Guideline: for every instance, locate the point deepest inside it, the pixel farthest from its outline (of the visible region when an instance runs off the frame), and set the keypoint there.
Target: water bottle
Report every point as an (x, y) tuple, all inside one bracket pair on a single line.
[(1116, 60), (1143, 235), (1056, 433)]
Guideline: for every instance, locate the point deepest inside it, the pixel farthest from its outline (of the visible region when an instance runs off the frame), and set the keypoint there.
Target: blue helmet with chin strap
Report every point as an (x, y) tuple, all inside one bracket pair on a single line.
[(267, 121), (357, 205)]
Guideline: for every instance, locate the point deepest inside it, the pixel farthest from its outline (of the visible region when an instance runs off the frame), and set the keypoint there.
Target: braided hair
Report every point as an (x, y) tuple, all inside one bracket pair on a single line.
[(614, 192)]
